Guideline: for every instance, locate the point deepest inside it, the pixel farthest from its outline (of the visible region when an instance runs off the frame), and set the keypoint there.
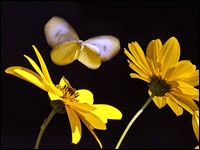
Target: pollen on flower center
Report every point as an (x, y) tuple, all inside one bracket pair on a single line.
[(158, 86), (69, 93)]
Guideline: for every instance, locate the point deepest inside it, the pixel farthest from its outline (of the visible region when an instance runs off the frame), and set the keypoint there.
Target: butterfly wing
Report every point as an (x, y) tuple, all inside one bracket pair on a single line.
[(108, 45), (58, 31), (65, 53), (89, 57)]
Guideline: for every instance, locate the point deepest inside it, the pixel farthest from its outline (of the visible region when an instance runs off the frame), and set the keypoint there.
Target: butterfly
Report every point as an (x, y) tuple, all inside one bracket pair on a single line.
[(67, 47)]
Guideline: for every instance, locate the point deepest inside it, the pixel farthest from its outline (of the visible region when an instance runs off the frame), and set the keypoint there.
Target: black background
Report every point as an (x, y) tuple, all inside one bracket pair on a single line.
[(24, 106)]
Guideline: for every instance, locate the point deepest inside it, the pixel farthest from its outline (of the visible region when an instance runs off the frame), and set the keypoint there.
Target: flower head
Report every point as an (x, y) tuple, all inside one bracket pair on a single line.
[(170, 80), (64, 98), (195, 124)]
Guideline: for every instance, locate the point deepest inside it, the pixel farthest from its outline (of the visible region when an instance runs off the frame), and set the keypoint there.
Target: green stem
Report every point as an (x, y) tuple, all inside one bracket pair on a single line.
[(133, 120), (43, 127)]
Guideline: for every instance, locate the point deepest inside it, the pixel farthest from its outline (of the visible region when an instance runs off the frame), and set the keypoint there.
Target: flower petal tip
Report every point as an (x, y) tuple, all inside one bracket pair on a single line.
[(9, 70), (179, 114), (25, 56), (6, 70), (33, 46), (173, 39)]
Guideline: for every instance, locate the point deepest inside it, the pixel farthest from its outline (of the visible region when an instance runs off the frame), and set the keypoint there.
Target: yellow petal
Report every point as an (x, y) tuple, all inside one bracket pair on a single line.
[(64, 82), (181, 71), (135, 63), (51, 88), (85, 96), (169, 54), (43, 65), (159, 101), (54, 97), (93, 120), (35, 66), (197, 147), (105, 112), (153, 49), (138, 53), (134, 75), (138, 70), (91, 130), (193, 79), (26, 74), (185, 102), (185, 89), (152, 66), (75, 125), (83, 107), (89, 58), (195, 124), (65, 53), (175, 107)]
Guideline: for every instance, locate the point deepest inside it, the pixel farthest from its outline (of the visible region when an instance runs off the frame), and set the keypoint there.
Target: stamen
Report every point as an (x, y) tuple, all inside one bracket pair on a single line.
[(69, 93)]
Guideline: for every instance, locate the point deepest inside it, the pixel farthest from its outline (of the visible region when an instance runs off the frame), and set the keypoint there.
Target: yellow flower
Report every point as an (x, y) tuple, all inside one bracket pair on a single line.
[(195, 124), (170, 80), (77, 103)]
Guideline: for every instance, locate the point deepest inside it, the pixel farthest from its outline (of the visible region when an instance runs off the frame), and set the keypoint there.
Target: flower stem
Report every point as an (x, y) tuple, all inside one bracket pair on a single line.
[(43, 127), (133, 120)]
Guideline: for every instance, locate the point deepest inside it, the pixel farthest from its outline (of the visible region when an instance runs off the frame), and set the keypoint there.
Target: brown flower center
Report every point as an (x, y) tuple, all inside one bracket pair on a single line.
[(158, 86)]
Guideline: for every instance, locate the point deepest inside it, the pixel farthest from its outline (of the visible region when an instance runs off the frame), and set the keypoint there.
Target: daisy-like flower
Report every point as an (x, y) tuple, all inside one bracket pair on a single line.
[(170, 81), (64, 98), (195, 124)]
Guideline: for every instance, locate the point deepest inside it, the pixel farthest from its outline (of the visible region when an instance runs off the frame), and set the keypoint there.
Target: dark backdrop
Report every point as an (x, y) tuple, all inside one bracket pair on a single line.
[(24, 106)]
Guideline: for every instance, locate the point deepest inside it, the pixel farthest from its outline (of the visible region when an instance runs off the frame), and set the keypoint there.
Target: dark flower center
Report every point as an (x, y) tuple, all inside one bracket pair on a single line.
[(58, 106), (158, 86)]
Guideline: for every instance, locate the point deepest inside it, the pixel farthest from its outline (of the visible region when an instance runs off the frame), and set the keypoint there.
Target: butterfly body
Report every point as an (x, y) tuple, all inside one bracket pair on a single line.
[(67, 46)]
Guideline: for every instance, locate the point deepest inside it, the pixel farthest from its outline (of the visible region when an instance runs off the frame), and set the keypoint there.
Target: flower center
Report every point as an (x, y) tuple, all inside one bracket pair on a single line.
[(69, 95), (158, 86)]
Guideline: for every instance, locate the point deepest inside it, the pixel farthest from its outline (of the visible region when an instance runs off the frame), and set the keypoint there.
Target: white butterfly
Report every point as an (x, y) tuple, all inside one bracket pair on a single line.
[(67, 47)]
